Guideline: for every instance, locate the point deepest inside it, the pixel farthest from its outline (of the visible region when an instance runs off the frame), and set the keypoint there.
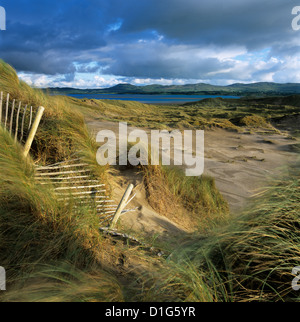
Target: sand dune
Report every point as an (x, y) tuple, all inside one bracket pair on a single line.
[(241, 163)]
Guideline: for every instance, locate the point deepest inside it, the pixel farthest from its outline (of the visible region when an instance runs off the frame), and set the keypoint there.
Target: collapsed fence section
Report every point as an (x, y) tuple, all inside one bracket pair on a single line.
[(75, 185), (72, 180)]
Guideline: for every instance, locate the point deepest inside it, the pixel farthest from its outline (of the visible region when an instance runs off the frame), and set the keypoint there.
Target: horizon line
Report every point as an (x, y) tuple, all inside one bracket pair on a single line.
[(160, 85)]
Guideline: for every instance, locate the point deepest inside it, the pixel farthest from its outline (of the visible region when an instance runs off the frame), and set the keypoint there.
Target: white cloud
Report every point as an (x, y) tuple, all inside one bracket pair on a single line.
[(157, 41)]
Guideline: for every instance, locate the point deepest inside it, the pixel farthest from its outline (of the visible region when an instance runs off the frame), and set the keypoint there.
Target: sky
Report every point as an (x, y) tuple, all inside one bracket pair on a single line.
[(101, 43)]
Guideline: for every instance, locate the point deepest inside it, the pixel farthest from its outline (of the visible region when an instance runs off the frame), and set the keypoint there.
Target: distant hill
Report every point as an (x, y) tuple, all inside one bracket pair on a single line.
[(281, 101), (259, 89)]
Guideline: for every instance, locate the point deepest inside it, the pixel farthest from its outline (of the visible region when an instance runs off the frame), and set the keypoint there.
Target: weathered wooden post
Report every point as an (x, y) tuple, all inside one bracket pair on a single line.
[(17, 122), (30, 118), (33, 130), (23, 122), (121, 206), (12, 117), (6, 110)]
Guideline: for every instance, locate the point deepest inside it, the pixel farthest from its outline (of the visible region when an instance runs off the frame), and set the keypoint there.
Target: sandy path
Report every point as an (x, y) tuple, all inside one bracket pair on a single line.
[(240, 163), (144, 219)]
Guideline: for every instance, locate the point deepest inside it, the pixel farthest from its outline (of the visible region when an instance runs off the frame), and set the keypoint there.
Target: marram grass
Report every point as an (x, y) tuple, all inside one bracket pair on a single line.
[(253, 256), (52, 254)]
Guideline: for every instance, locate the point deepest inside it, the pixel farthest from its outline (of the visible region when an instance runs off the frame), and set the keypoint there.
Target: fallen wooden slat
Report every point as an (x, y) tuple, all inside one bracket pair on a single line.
[(79, 193), (128, 202), (122, 205), (62, 178), (71, 183), (81, 197), (59, 173), (62, 162), (79, 187), (107, 212), (105, 201), (113, 206), (132, 240), (129, 210), (61, 167), (89, 201), (82, 202)]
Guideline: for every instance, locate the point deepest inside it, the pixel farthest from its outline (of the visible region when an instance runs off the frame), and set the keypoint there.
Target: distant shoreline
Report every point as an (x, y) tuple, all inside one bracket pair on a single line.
[(149, 99), (261, 89)]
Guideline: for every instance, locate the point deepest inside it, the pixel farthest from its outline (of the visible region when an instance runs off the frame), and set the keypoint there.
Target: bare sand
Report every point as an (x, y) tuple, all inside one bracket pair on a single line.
[(241, 163), (244, 164)]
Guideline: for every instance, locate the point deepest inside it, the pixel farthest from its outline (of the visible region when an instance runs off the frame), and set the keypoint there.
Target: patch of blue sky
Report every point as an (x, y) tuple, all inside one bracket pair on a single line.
[(115, 26), (259, 55)]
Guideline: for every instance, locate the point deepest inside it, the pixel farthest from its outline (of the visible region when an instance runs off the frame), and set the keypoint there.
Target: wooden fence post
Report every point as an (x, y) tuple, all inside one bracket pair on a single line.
[(12, 117), (121, 205), (33, 130), (30, 118), (17, 122), (23, 122), (6, 110)]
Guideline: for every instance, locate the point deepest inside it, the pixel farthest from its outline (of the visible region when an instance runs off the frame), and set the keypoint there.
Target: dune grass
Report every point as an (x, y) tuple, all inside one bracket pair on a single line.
[(50, 252), (251, 259), (192, 202), (35, 228), (53, 254), (34, 225), (248, 259), (62, 131), (39, 235), (63, 282), (230, 114)]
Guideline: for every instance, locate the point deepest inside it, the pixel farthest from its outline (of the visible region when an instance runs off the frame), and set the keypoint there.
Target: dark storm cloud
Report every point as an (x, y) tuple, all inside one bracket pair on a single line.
[(247, 22), (252, 24), (40, 62), (153, 60), (143, 38), (48, 36)]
